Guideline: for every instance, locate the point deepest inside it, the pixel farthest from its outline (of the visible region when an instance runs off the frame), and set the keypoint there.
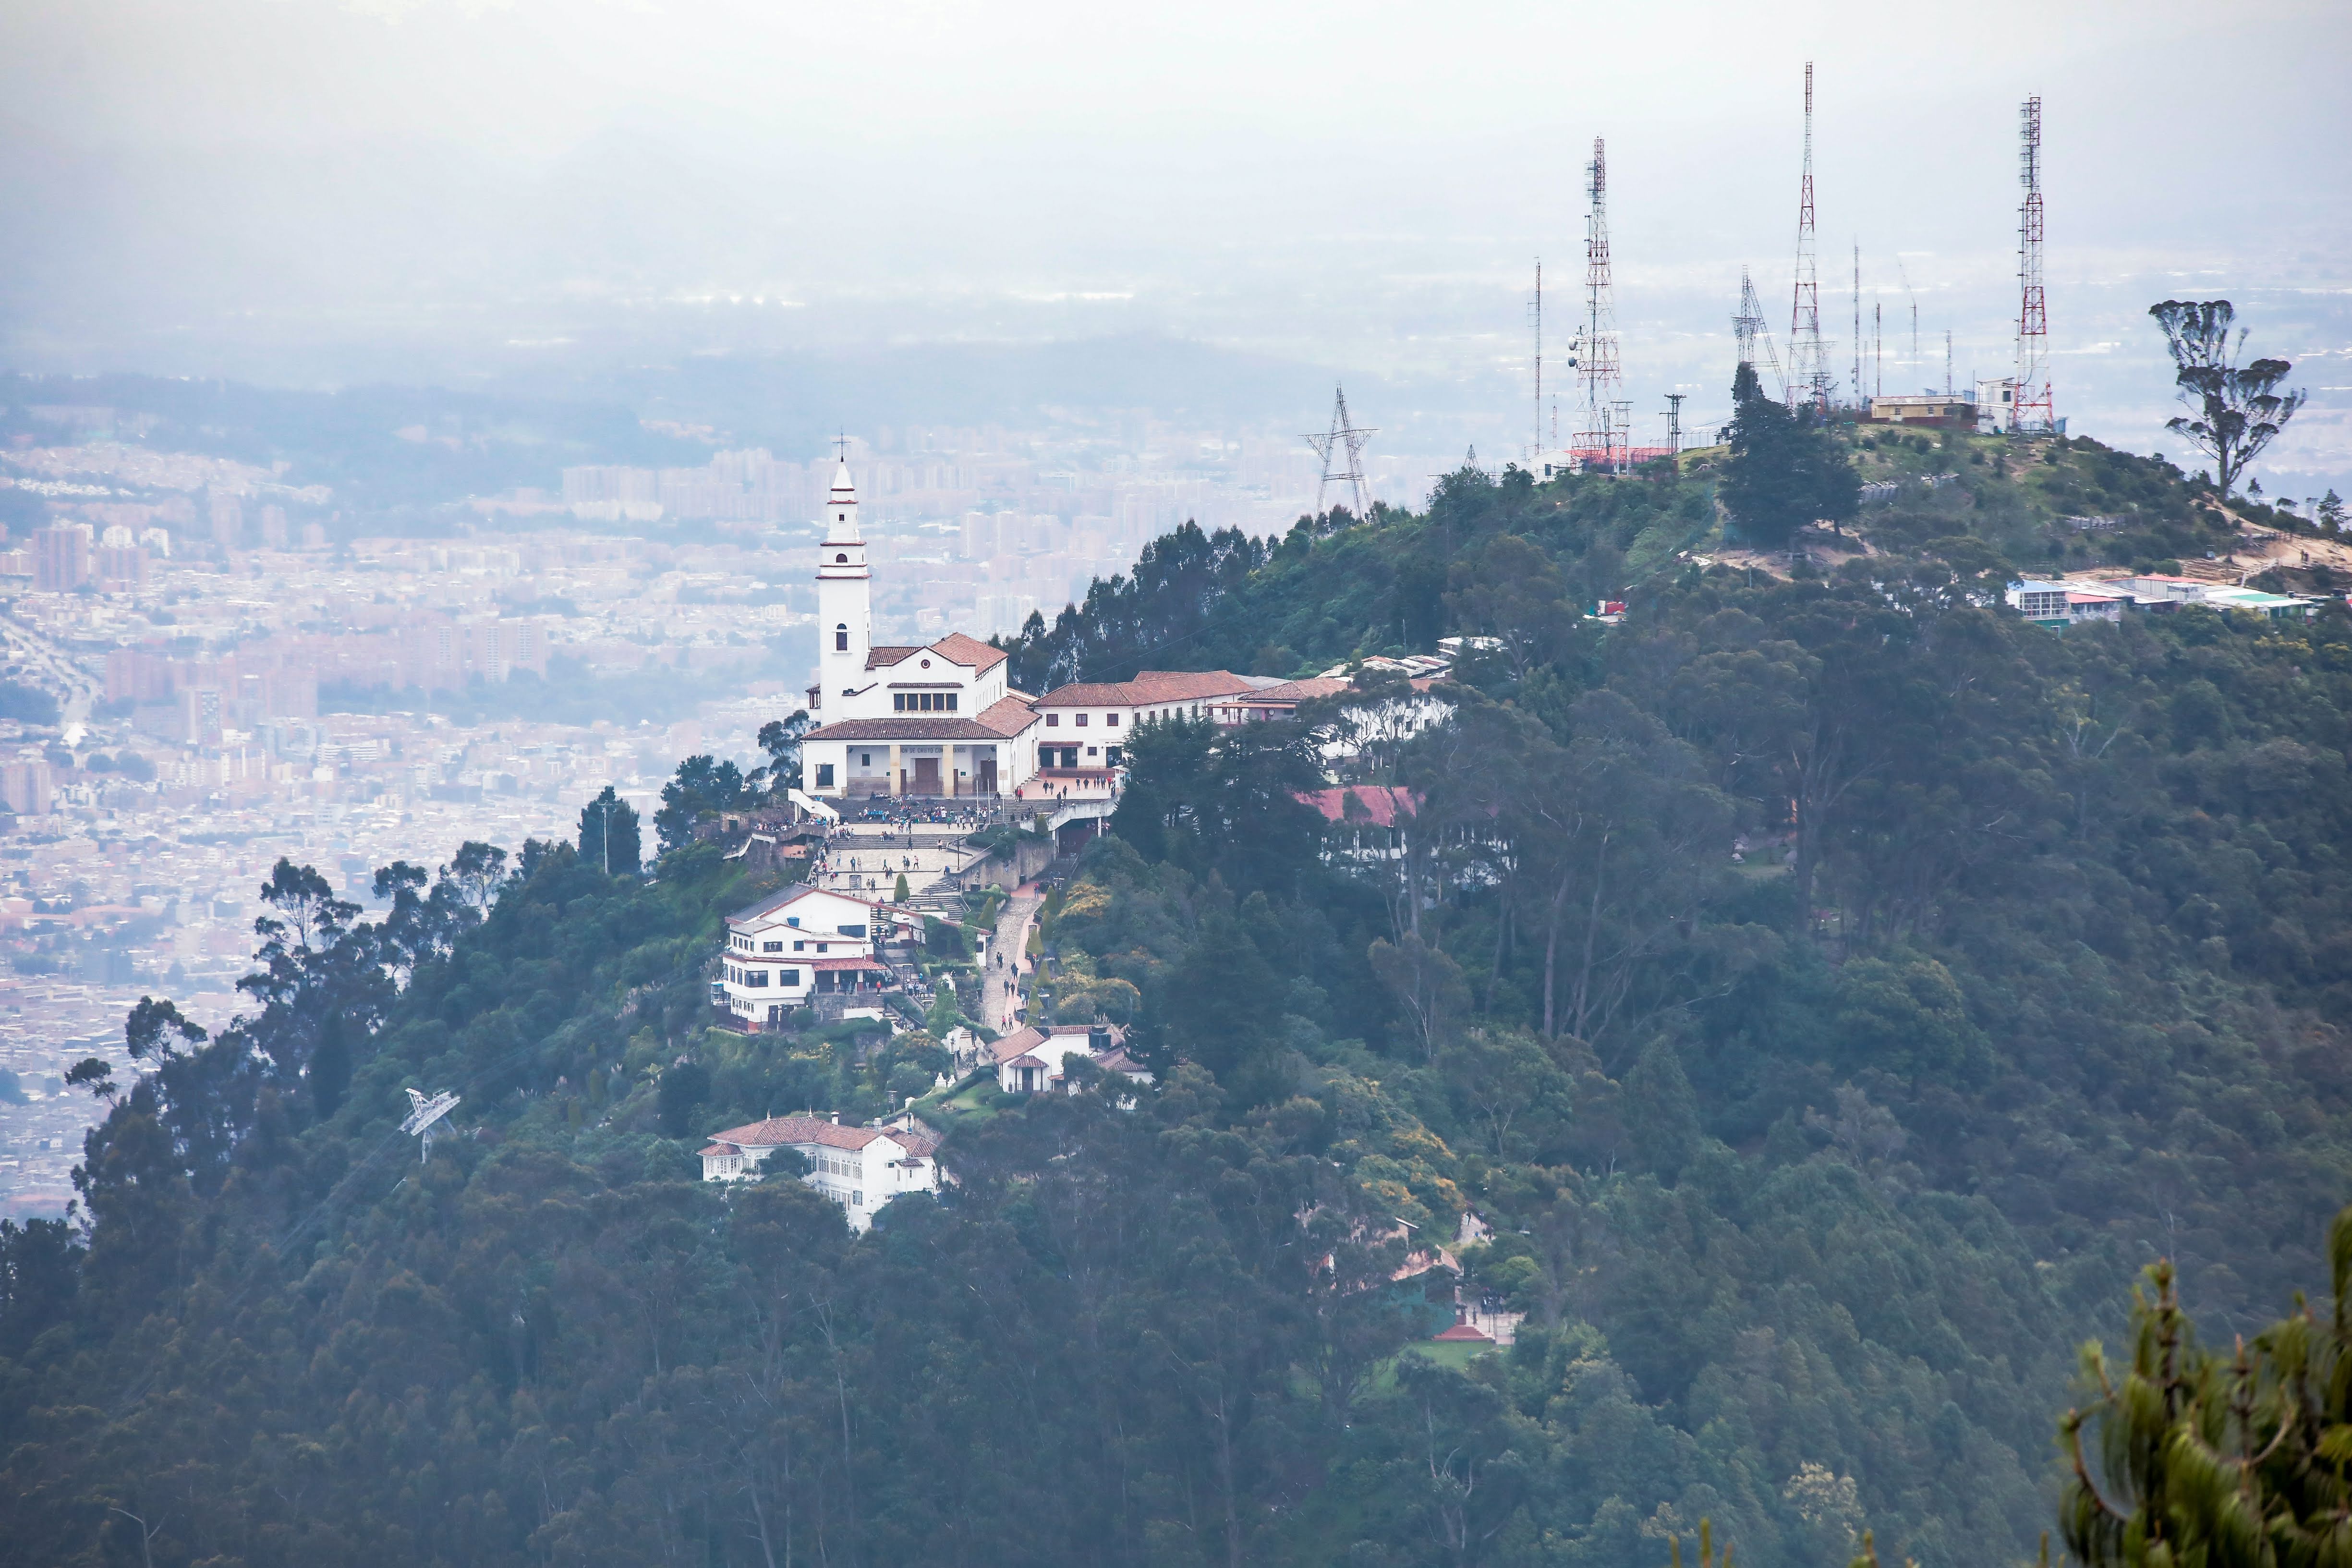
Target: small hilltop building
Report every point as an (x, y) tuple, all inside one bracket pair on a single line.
[(860, 1168)]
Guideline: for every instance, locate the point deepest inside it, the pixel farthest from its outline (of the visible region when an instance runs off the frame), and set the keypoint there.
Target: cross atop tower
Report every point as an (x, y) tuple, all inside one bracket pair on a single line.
[(841, 446)]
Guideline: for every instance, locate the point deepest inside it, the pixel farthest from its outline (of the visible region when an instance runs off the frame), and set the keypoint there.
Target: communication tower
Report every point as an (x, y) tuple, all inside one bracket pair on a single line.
[(1600, 441), (1861, 393), (1809, 375), (1753, 334), (1343, 448), (2035, 414), (425, 1116), (1534, 315)]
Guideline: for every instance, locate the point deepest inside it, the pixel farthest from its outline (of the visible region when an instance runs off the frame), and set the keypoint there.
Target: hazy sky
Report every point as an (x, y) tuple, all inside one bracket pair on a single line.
[(451, 190)]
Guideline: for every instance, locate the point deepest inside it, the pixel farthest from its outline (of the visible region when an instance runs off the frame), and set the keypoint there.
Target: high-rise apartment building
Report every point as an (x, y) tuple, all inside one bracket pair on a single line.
[(61, 557)]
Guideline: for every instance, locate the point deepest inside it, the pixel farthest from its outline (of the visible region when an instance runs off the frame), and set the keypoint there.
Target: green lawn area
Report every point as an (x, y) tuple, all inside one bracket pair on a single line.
[(965, 1104), (1456, 1355)]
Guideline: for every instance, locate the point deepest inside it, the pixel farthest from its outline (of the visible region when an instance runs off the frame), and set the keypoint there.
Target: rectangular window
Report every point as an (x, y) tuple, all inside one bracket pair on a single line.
[(1053, 721), (771, 947), (897, 702), (824, 947), (824, 775), (853, 930), (757, 979), (800, 947), (1082, 720), (789, 979), (1111, 719)]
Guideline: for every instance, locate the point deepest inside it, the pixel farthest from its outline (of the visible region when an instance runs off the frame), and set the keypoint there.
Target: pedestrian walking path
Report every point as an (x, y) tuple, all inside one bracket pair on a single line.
[(1008, 963)]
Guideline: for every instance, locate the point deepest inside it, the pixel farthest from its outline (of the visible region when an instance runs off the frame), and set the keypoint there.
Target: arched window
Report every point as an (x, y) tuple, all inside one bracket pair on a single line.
[(841, 559), (841, 637)]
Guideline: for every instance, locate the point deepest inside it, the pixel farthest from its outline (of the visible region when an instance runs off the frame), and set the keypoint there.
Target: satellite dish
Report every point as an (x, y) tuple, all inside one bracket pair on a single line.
[(425, 1116)]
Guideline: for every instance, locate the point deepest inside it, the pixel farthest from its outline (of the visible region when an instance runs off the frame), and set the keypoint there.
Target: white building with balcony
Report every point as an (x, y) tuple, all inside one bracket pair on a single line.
[(796, 944)]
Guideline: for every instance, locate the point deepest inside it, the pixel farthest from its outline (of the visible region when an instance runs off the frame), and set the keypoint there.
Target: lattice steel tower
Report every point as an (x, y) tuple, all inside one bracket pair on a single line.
[(1809, 373), (1601, 440), (1754, 335), (1345, 447), (2033, 414)]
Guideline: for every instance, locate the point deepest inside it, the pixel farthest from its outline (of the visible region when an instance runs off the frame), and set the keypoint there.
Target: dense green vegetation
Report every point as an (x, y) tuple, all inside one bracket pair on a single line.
[(1827, 990)]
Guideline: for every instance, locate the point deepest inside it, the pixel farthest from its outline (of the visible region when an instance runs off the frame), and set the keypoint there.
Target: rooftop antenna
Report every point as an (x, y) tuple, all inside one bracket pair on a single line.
[(1596, 359), (2033, 414), (425, 1116), (1344, 446), (1809, 379), (1748, 327)]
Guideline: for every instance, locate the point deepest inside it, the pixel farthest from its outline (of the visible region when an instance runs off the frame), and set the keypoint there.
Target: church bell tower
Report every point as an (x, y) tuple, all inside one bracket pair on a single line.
[(845, 610)]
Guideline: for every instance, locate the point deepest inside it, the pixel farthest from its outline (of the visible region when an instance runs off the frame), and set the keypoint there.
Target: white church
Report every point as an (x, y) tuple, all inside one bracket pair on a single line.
[(938, 720)]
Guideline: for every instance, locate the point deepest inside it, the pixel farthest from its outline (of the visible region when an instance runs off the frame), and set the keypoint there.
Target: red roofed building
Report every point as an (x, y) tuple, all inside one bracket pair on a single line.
[(860, 1168), (1086, 723), (798, 942), (936, 720), (1367, 822), (1030, 1059)]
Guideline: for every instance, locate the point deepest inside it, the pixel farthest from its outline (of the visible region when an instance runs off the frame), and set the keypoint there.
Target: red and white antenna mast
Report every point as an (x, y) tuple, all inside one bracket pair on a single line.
[(2034, 412), (1808, 376), (1601, 443)]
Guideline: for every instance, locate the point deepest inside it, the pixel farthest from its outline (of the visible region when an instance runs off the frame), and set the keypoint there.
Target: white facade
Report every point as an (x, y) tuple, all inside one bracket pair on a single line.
[(1031, 1061), (1086, 725), (845, 596), (795, 944), (936, 721), (860, 1168)]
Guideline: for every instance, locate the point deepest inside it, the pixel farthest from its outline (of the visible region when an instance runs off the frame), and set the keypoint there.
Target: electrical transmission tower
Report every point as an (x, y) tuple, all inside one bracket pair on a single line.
[(1809, 375), (1600, 441), (1343, 448), (1753, 334), (1675, 423), (425, 1117), (2033, 414)]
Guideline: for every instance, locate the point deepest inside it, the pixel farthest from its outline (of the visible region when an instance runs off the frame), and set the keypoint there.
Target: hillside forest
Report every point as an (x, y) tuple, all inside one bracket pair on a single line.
[(1828, 992)]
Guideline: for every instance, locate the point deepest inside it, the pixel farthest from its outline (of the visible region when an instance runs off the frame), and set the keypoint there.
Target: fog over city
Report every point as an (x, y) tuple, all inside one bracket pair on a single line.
[(604, 199), (442, 396)]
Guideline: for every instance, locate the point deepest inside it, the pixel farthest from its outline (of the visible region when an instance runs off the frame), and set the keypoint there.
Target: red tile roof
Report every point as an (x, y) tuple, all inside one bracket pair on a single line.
[(883, 657), (970, 651), (1292, 692), (777, 1130), (1376, 806), (1000, 721), (1149, 686), (1463, 1333), (838, 964)]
